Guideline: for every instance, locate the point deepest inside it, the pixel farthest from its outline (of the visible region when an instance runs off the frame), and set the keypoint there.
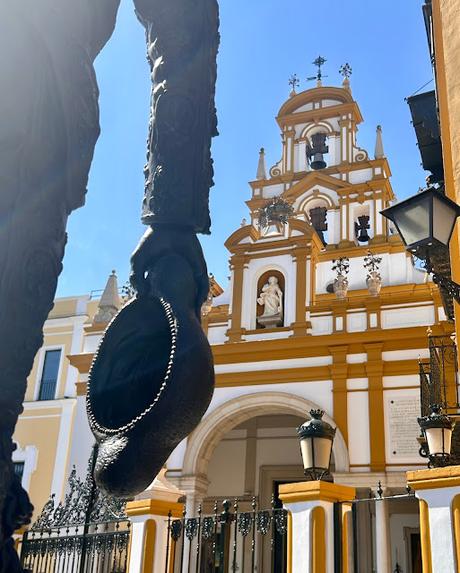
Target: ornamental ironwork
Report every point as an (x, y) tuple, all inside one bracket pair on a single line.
[(83, 503), (276, 210), (88, 531)]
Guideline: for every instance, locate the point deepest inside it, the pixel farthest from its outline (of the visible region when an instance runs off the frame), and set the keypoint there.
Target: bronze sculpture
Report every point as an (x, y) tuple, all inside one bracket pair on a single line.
[(49, 114)]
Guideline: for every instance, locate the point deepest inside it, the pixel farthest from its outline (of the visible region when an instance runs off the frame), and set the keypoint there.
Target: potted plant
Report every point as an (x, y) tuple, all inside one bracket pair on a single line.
[(373, 279), (341, 267)]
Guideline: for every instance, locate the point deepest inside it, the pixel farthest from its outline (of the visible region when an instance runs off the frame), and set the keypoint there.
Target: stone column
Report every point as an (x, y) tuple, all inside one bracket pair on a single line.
[(439, 493), (195, 489), (382, 535), (311, 525), (148, 514)]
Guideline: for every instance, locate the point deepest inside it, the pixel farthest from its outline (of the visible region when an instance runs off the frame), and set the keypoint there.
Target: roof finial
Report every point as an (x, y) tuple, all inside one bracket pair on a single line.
[(379, 152), (294, 82), (319, 63), (110, 301), (261, 167), (346, 70)]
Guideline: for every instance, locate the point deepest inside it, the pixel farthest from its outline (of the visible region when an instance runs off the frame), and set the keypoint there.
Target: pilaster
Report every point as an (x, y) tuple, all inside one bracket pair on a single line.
[(311, 525), (339, 375), (300, 325), (374, 370), (439, 493), (237, 263), (148, 514)]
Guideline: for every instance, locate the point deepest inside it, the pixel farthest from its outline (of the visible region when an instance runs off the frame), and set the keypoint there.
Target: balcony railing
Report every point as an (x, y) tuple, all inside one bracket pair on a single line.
[(47, 389), (439, 383)]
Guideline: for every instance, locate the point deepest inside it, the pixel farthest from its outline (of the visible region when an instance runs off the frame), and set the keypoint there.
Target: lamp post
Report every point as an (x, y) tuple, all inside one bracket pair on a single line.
[(437, 428), (316, 439), (425, 223)]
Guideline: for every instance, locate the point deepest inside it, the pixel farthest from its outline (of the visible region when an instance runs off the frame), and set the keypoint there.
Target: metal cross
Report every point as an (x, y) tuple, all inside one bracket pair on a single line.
[(294, 82), (345, 70), (319, 62)]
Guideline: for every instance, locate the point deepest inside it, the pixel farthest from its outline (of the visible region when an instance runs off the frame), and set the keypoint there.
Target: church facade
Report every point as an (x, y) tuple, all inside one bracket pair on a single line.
[(324, 310)]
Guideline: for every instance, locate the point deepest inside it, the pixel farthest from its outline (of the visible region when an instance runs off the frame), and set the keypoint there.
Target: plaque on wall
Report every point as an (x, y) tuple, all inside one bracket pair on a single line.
[(402, 412)]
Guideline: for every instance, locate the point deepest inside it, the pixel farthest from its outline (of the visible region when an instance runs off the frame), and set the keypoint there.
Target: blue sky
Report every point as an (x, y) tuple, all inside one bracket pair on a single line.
[(263, 43)]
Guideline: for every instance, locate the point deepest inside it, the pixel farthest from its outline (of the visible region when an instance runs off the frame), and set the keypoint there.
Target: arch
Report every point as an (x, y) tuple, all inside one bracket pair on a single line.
[(205, 438), (317, 197), (320, 126), (342, 95)]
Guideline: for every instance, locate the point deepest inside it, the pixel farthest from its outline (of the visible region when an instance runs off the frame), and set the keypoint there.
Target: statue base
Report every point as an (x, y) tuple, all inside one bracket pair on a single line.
[(270, 321)]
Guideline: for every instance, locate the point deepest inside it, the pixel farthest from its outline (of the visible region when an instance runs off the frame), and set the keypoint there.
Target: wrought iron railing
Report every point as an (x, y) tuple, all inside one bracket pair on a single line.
[(228, 540), (439, 386), (86, 533), (439, 377), (47, 389), (99, 548)]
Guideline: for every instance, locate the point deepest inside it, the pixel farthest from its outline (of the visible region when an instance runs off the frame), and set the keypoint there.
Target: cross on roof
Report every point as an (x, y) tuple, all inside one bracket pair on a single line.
[(294, 82), (319, 62), (345, 70)]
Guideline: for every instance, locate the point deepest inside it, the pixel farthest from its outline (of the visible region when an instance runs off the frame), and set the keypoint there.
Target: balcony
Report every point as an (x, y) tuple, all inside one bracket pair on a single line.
[(439, 384)]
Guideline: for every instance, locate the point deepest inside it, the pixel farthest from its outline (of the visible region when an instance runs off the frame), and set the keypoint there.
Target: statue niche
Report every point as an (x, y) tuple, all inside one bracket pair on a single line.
[(270, 300)]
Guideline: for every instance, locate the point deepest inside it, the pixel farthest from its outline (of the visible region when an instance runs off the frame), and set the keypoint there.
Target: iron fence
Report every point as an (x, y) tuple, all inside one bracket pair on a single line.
[(88, 532), (233, 539), (99, 548)]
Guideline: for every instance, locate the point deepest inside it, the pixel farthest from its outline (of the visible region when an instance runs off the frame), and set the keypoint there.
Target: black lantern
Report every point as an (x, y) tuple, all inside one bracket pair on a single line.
[(425, 223), (437, 428), (424, 220), (316, 439)]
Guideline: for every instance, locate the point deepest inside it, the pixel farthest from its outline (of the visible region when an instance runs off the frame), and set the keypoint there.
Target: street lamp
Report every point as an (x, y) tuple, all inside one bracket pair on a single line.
[(425, 223), (437, 429), (316, 439)]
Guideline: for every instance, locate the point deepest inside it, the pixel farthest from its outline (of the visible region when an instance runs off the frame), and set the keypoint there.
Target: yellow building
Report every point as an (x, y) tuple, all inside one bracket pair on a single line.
[(443, 17), (292, 332)]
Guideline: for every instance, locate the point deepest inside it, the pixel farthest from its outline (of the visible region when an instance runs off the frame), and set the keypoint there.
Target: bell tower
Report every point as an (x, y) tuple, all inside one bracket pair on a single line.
[(332, 193)]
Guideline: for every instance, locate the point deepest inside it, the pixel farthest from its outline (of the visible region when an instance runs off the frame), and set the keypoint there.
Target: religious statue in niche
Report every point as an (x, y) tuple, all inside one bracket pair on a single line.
[(271, 298)]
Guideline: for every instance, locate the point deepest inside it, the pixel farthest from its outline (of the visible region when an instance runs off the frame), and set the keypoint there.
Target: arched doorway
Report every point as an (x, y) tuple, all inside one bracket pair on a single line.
[(230, 414), (245, 448)]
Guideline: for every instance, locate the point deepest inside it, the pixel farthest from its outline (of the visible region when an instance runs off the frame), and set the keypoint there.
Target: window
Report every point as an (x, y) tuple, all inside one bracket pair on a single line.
[(18, 469), (50, 373)]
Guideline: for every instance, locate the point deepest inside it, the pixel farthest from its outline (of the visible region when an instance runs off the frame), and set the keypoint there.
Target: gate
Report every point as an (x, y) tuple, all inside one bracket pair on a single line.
[(87, 533), (366, 536), (235, 537)]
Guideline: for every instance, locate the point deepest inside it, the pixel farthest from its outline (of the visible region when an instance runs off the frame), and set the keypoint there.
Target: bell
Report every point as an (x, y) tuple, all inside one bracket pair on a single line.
[(318, 162), (361, 228), (316, 151), (318, 219)]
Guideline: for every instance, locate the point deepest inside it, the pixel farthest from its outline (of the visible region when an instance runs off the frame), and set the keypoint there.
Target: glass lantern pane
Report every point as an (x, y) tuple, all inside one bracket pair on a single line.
[(413, 221), (444, 218), (307, 454), (436, 444), (322, 452)]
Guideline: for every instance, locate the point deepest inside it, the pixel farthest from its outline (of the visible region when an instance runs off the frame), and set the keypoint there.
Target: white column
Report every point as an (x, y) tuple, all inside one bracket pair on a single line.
[(301, 500), (148, 514), (382, 536), (195, 488), (439, 502)]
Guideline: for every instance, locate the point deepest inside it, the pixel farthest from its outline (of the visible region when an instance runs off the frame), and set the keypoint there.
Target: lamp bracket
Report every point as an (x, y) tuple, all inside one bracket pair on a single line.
[(442, 281)]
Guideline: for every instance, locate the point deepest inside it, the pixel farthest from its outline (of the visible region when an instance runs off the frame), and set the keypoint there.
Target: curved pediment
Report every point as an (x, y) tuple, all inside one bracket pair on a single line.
[(314, 178), (246, 234), (331, 95)]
